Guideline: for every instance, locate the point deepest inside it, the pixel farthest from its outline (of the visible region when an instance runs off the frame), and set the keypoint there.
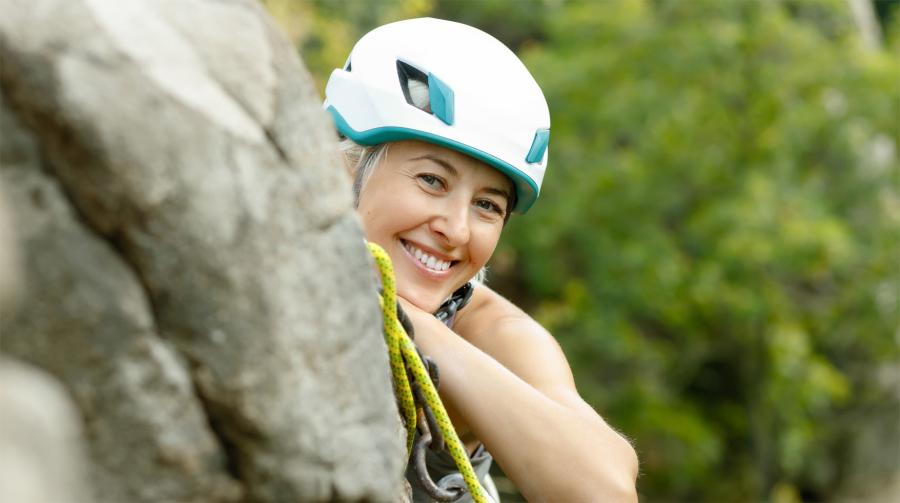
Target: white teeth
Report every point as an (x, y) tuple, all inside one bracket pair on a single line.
[(428, 260)]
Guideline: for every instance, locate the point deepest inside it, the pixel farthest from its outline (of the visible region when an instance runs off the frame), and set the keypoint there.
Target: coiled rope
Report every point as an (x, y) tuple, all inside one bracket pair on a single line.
[(405, 360)]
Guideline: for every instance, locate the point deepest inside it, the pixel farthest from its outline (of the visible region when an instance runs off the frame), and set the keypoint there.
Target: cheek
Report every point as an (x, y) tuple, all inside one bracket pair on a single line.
[(383, 217), (375, 229), (365, 218), (484, 245), (374, 226), (371, 211)]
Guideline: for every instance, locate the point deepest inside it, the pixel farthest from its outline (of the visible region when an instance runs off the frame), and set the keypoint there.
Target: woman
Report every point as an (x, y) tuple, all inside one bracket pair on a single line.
[(446, 134)]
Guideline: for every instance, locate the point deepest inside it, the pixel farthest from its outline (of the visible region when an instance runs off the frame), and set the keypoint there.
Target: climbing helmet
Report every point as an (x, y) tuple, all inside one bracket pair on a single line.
[(448, 84)]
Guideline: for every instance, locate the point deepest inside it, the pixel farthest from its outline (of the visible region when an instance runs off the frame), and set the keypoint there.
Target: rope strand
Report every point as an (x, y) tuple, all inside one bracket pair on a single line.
[(400, 349)]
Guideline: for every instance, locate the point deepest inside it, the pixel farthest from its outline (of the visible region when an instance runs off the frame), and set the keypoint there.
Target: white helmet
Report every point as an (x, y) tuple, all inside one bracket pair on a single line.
[(481, 99)]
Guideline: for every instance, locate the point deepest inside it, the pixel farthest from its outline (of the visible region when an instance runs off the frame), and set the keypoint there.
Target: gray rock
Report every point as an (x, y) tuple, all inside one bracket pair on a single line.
[(41, 451), (197, 276), (9, 256), (84, 316)]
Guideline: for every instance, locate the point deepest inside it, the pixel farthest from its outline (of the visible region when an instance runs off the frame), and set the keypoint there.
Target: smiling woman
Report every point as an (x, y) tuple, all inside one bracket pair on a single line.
[(438, 213), (438, 169)]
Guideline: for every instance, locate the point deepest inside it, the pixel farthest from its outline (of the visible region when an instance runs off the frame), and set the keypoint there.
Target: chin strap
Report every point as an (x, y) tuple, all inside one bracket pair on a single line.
[(447, 312)]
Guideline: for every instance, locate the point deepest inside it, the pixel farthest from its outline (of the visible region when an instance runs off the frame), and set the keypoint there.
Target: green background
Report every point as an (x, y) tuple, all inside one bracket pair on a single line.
[(717, 243)]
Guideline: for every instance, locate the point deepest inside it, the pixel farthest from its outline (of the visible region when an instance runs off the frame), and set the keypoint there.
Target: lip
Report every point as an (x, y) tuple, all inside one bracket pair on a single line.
[(432, 274)]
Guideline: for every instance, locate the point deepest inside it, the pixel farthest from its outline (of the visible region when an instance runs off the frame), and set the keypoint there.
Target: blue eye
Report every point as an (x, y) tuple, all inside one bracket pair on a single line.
[(487, 204), (432, 181)]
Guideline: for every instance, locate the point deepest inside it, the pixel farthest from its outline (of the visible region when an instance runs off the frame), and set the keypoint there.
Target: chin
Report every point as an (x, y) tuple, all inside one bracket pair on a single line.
[(424, 301)]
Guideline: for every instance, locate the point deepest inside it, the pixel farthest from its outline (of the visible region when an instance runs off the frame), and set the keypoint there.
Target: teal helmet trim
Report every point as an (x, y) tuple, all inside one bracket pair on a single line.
[(538, 146), (526, 189)]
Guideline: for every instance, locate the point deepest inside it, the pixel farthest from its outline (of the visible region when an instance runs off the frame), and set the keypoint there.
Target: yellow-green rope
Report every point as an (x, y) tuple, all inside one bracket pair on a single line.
[(400, 347)]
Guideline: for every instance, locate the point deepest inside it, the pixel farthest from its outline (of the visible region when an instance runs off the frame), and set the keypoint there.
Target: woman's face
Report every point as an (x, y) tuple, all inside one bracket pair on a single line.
[(438, 214)]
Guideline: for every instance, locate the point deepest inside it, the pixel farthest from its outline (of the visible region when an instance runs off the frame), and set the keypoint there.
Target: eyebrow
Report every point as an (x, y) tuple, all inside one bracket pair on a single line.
[(446, 165), (453, 171)]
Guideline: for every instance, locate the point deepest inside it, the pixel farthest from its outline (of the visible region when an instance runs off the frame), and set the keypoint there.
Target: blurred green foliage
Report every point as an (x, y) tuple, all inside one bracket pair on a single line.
[(717, 244), (716, 247)]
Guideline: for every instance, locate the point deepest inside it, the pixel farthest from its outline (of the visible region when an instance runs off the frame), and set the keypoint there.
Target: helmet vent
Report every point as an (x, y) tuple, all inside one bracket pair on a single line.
[(414, 83)]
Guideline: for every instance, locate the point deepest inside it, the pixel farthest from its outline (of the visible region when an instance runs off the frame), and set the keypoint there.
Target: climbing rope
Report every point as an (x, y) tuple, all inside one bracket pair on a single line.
[(404, 357)]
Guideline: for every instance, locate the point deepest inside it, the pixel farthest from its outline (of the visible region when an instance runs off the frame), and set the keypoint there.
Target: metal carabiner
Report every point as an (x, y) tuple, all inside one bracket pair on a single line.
[(436, 492)]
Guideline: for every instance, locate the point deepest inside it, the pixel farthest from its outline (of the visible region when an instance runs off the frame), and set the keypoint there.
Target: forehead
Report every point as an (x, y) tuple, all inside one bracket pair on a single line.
[(408, 150)]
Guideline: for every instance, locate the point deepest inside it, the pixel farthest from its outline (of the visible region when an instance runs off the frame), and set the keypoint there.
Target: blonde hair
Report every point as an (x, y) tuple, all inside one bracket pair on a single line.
[(361, 161)]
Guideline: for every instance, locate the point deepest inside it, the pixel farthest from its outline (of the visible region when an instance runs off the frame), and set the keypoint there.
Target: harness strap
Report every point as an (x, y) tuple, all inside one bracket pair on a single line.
[(447, 312)]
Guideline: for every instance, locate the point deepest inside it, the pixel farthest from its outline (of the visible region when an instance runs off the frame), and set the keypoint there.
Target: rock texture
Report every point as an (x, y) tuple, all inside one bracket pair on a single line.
[(9, 255), (193, 270), (41, 451)]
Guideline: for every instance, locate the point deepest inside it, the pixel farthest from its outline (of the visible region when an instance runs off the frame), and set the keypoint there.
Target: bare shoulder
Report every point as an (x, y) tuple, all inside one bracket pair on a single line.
[(517, 341), (487, 308)]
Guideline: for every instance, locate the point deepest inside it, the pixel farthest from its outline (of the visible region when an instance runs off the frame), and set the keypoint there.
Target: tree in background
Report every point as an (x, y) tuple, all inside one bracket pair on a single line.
[(325, 30), (719, 237), (716, 247)]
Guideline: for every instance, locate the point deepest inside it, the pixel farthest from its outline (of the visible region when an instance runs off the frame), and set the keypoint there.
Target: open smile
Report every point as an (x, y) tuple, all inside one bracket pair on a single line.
[(429, 261)]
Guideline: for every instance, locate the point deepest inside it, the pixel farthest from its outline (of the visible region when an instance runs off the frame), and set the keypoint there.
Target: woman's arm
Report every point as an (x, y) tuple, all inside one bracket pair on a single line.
[(510, 383)]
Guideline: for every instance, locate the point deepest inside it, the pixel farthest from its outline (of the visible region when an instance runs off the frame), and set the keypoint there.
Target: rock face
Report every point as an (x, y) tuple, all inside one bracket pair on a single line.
[(193, 271), (41, 458)]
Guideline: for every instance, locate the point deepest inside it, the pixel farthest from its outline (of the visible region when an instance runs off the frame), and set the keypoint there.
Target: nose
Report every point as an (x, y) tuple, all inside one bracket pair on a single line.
[(451, 222)]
